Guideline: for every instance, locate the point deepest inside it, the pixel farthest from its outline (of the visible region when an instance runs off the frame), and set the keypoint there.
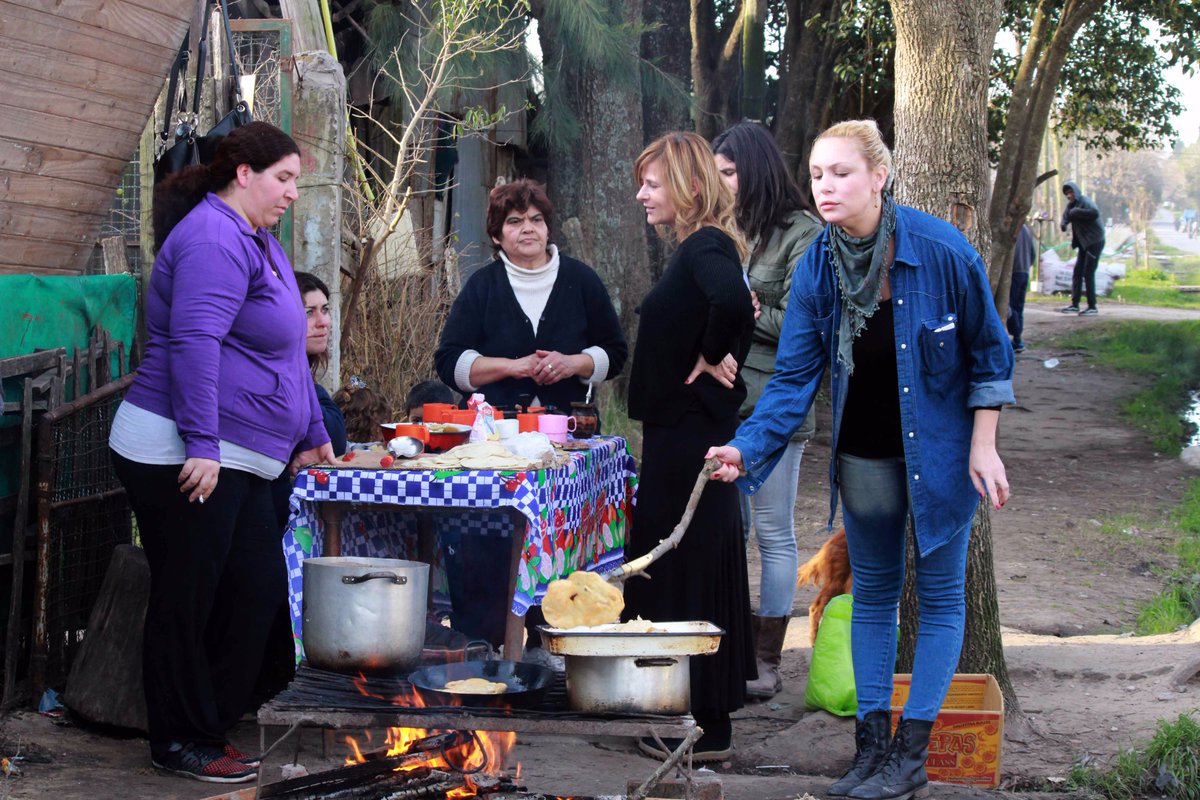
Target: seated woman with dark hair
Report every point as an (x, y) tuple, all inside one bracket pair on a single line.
[(534, 327), (315, 295)]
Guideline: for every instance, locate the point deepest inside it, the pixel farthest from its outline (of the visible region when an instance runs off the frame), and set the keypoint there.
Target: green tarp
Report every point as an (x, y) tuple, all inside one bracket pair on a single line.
[(44, 312)]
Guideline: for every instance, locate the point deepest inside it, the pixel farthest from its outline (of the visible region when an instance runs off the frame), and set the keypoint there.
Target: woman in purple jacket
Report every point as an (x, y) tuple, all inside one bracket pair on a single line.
[(222, 403)]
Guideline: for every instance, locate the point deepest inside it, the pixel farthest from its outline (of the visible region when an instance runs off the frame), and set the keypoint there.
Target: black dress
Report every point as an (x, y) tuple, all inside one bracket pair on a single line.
[(701, 305)]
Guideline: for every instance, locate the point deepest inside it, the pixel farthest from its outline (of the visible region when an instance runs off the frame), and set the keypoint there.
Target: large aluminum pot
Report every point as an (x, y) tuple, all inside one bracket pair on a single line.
[(364, 614), (629, 684)]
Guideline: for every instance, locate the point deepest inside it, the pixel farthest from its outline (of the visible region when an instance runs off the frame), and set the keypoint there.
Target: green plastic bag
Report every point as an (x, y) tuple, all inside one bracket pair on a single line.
[(831, 671)]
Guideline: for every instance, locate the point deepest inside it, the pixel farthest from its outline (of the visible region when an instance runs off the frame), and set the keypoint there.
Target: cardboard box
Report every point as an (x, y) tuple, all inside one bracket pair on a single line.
[(965, 744)]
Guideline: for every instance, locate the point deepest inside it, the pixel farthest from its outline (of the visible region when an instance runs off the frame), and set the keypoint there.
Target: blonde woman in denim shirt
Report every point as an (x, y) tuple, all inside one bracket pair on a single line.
[(897, 305)]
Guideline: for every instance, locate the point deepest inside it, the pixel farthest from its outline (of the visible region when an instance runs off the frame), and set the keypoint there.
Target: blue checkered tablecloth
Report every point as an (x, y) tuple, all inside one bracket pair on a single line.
[(576, 516)]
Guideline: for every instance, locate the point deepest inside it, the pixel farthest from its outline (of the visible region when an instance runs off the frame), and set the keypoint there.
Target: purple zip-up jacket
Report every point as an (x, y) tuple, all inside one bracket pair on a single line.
[(225, 356)]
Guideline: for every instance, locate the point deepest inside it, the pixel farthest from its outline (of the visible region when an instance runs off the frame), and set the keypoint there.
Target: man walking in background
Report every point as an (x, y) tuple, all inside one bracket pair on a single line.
[(1087, 237), (1024, 252)]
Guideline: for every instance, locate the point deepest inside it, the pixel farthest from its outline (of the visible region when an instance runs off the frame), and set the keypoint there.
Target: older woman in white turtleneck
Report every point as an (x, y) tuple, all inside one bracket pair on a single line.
[(534, 327)]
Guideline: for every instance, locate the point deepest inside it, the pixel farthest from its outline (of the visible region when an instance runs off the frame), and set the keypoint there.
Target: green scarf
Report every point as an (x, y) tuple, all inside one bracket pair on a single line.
[(860, 265)]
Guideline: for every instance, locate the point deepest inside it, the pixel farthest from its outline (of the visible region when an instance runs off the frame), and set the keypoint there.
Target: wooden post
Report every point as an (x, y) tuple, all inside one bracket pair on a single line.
[(12, 640)]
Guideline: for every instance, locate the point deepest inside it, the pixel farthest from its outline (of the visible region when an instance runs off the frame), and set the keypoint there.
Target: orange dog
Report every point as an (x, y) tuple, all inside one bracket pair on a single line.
[(829, 571)]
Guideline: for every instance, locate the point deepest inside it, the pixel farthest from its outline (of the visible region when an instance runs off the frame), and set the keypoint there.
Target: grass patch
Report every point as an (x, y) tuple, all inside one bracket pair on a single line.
[(1179, 603), (1169, 765), (1159, 287), (1168, 351)]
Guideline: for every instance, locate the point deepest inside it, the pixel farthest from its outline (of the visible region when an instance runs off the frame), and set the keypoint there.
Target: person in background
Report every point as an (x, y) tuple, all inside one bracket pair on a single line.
[(534, 327), (1087, 238), (364, 409), (222, 404), (896, 305), (315, 295), (426, 392), (279, 658), (776, 219), (1024, 254), (685, 386)]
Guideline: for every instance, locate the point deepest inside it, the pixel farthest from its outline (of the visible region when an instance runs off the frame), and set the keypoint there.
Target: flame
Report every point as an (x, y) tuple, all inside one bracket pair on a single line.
[(485, 752)]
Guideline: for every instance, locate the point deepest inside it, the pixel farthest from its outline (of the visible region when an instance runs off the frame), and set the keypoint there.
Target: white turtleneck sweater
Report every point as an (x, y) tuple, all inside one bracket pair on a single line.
[(532, 288)]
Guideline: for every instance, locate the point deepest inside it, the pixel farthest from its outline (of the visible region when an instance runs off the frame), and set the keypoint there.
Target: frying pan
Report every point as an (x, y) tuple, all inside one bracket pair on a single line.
[(527, 683)]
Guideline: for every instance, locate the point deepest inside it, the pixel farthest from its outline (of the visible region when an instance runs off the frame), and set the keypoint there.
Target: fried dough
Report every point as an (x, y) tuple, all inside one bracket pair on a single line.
[(582, 598)]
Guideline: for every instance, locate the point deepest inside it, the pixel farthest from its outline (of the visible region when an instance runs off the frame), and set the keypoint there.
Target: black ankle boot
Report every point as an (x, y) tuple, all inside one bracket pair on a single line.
[(902, 771), (872, 735)]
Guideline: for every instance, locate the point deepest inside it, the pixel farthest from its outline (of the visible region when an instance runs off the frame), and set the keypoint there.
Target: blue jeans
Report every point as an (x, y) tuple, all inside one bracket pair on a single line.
[(774, 509), (875, 510)]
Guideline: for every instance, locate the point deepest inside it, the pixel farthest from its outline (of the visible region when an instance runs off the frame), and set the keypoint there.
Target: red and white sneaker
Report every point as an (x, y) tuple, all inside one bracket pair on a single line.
[(240, 757), (203, 763)]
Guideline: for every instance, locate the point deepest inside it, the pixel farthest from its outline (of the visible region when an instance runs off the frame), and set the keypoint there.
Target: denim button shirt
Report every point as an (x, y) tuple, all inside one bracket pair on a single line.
[(952, 357)]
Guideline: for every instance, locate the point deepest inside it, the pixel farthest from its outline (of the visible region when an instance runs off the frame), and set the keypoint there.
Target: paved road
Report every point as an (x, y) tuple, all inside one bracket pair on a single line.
[(1164, 229)]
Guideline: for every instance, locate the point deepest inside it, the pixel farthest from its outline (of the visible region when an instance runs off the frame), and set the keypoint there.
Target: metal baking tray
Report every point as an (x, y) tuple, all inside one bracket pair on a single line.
[(670, 639)]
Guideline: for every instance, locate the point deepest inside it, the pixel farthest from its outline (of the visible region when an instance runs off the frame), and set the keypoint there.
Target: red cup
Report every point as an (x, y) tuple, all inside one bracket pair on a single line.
[(391, 430), (460, 416), (527, 422), (437, 412)]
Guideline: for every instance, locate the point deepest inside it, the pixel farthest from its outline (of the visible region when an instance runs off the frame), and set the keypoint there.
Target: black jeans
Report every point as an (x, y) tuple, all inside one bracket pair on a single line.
[(217, 580), (1086, 262), (1016, 305)]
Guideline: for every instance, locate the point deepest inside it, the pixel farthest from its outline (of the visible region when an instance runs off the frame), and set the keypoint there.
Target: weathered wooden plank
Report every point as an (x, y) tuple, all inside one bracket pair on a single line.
[(22, 56), (28, 125), (52, 224), (73, 105), (57, 162), (40, 252), (24, 269), (143, 29), (52, 193)]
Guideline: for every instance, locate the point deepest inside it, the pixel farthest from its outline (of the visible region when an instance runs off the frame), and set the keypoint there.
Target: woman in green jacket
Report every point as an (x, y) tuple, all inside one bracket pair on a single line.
[(778, 223)]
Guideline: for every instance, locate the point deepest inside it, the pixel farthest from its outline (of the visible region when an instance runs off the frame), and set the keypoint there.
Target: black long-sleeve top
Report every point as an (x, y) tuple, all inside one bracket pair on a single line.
[(701, 305), (486, 317)]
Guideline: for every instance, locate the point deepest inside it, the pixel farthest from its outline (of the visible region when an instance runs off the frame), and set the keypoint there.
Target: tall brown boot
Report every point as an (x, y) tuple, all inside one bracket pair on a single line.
[(769, 633)]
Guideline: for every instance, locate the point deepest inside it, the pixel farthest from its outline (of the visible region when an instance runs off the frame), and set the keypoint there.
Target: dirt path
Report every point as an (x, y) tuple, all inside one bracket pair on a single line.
[(1076, 550)]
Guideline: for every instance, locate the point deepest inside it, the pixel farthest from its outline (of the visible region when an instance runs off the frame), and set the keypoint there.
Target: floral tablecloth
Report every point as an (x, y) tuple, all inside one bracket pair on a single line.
[(576, 515)]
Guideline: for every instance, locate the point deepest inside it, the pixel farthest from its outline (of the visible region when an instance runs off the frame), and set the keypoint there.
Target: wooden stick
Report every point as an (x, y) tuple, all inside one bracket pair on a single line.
[(638, 565)]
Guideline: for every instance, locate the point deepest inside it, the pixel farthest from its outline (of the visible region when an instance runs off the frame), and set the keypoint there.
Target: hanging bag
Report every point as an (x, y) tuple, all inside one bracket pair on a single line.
[(189, 149)]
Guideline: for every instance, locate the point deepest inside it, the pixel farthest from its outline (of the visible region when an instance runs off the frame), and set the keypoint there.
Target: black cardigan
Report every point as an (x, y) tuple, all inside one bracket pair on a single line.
[(487, 317), (701, 305)]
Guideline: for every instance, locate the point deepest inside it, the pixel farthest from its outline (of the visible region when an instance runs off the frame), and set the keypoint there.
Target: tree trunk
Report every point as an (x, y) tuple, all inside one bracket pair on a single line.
[(754, 74), (943, 49), (671, 52), (982, 649), (716, 67), (943, 53), (806, 81), (589, 180), (1033, 95)]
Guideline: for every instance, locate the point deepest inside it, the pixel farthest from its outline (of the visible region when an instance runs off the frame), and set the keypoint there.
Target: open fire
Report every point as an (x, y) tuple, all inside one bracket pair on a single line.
[(478, 756)]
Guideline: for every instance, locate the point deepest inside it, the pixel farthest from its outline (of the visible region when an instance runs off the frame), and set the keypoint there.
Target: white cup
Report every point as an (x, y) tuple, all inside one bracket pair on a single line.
[(507, 428)]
